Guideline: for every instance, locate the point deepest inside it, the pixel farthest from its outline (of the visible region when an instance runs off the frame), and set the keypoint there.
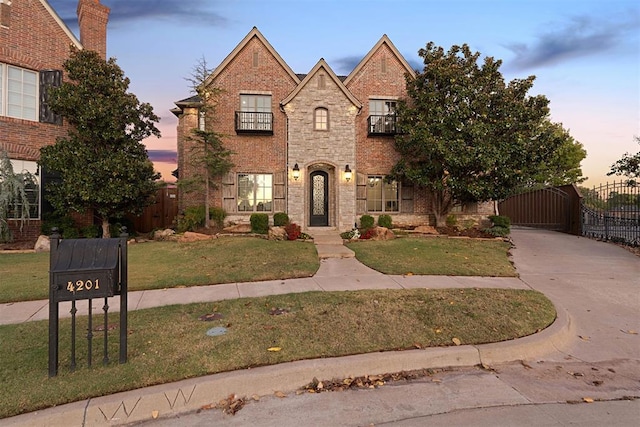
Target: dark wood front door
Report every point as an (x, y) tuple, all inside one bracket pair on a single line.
[(319, 206)]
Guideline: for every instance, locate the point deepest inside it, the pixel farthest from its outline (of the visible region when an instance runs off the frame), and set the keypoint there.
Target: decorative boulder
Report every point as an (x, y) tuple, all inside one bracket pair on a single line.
[(190, 236), (42, 244), (277, 233), (382, 233), (163, 234), (238, 228), (425, 229)]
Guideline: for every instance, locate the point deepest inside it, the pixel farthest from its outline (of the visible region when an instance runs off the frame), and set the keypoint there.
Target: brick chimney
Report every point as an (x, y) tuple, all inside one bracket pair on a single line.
[(92, 19)]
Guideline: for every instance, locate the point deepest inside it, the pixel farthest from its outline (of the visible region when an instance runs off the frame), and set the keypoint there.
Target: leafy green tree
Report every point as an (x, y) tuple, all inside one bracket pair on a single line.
[(101, 163), (628, 166), (13, 193), (563, 167), (209, 157), (465, 135)]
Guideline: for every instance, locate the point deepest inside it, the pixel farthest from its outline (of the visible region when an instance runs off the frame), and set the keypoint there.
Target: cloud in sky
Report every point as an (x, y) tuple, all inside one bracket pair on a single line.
[(189, 12), (164, 156), (579, 37)]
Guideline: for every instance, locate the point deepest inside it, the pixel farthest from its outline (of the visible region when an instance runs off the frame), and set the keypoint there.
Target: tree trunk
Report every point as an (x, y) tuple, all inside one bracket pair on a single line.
[(106, 233)]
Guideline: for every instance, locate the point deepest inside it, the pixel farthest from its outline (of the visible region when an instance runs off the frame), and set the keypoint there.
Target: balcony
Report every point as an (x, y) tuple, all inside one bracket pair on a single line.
[(254, 122), (382, 124)]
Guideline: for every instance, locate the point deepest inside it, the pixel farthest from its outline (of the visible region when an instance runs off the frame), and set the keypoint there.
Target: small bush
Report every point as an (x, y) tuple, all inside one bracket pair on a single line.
[(280, 219), (62, 222), (217, 215), (192, 218), (91, 231), (351, 235), (259, 223), (367, 234), (452, 220), (500, 221), (385, 221), (366, 222), (498, 231), (293, 231)]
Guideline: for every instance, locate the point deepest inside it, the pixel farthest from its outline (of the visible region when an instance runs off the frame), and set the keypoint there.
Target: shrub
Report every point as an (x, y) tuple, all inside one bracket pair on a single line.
[(498, 231), (280, 219), (500, 221), (92, 231), (63, 222), (293, 231), (192, 218), (217, 215), (366, 222), (351, 235), (452, 220), (385, 221), (259, 223), (368, 233)]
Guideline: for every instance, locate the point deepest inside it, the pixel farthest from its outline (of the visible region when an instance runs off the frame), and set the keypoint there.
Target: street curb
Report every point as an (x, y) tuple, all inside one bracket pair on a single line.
[(172, 399)]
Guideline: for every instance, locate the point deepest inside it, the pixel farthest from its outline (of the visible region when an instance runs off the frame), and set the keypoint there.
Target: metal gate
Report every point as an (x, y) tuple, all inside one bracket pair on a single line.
[(612, 212), (548, 208)]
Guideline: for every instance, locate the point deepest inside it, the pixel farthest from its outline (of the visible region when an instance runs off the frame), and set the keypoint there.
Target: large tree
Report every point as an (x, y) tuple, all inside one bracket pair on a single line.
[(628, 166), (102, 163), (466, 135)]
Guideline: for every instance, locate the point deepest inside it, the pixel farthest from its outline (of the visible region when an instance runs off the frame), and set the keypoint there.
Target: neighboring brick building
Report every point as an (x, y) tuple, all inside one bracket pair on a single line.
[(316, 146), (34, 43)]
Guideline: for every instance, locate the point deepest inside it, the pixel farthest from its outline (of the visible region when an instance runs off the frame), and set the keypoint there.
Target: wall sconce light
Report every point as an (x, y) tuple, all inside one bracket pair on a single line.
[(296, 172), (347, 173)]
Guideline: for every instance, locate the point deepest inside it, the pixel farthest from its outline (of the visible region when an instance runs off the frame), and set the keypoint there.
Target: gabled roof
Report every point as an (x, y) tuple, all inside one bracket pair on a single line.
[(383, 40), (253, 33), (332, 75), (61, 23)]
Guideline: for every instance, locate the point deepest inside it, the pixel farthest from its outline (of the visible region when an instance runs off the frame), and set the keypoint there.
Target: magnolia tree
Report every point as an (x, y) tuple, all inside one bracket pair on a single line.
[(102, 164), (466, 136)]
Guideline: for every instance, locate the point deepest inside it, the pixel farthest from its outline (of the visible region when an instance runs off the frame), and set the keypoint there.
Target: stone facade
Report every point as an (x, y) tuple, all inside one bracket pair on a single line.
[(320, 152), (34, 38)]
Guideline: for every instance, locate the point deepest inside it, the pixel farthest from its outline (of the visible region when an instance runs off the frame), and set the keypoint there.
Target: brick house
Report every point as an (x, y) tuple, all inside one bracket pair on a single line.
[(34, 43), (316, 146)]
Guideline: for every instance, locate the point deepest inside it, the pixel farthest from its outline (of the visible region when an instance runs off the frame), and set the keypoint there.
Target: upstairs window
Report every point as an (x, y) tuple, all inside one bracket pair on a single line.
[(382, 196), (321, 119), (18, 92), (255, 114), (382, 117)]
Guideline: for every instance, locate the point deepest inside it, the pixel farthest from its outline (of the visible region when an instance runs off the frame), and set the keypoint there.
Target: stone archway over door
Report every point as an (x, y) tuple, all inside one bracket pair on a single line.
[(319, 199)]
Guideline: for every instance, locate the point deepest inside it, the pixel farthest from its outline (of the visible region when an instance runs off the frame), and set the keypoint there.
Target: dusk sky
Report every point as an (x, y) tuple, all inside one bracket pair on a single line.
[(584, 53)]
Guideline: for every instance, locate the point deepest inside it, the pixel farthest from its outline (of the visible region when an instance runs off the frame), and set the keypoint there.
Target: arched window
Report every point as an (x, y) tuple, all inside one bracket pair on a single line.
[(321, 119)]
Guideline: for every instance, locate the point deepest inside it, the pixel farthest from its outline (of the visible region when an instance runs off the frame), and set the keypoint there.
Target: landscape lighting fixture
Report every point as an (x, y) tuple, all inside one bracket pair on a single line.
[(296, 172), (347, 173)]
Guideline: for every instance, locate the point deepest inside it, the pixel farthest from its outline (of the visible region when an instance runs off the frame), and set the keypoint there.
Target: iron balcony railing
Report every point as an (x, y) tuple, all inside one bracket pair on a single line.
[(254, 122), (382, 124)]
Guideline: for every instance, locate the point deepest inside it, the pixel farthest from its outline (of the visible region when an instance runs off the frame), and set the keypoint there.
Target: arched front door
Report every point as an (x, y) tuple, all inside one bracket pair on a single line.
[(319, 206)]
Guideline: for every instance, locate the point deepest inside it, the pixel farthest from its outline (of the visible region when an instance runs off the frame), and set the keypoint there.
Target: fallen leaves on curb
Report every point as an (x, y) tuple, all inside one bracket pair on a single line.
[(366, 381), (231, 404), (273, 349)]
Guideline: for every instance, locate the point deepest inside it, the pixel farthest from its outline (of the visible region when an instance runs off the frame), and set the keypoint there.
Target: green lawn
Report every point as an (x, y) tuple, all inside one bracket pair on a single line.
[(437, 256), (170, 343), (157, 265)]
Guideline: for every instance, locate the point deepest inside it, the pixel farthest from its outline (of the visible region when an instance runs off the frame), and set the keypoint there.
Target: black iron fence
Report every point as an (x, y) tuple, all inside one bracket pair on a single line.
[(611, 212)]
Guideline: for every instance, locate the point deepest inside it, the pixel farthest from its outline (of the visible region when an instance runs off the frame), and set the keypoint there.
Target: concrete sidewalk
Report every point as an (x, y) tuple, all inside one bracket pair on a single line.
[(536, 258)]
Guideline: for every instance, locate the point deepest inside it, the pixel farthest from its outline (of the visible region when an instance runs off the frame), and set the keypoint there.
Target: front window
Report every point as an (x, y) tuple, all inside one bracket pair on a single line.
[(255, 192), (18, 92), (321, 119), (27, 171), (382, 196), (255, 113)]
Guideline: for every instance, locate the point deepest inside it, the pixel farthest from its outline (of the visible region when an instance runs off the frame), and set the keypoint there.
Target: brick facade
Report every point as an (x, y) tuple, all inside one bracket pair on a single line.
[(321, 154), (33, 37)]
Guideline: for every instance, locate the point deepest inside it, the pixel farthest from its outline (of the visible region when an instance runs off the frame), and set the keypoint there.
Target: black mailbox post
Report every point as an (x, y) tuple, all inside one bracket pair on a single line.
[(86, 269)]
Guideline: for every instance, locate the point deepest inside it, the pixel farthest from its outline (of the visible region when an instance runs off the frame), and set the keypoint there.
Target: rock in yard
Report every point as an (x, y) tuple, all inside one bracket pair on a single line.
[(382, 233), (277, 233), (425, 229), (43, 244), (238, 228), (190, 236)]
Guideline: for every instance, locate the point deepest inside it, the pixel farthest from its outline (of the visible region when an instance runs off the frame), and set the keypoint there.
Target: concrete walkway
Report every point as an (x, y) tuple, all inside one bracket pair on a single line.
[(595, 287)]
